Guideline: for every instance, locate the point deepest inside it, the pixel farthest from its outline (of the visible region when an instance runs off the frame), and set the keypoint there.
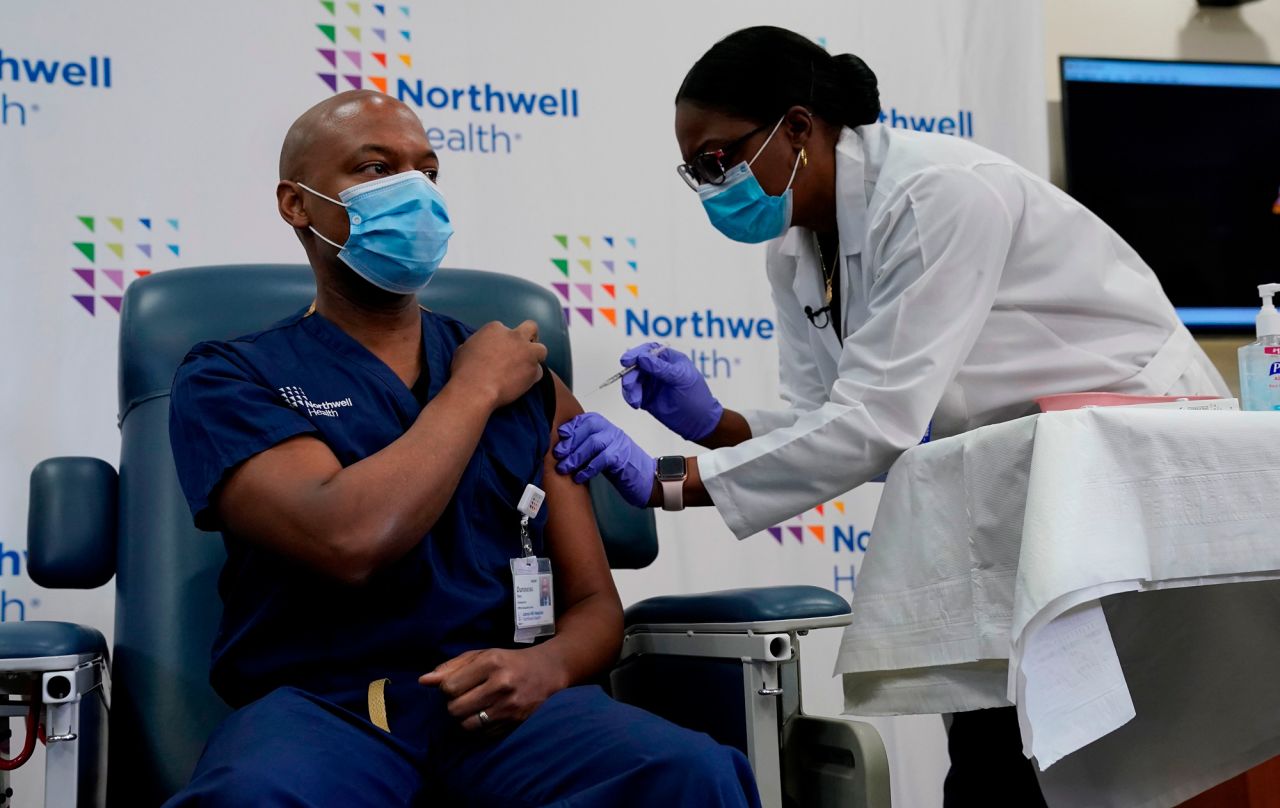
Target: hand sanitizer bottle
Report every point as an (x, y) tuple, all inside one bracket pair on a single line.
[(1260, 360)]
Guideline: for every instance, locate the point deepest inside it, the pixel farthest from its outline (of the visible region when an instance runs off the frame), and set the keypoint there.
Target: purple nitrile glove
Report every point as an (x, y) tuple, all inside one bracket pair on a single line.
[(671, 389), (590, 444)]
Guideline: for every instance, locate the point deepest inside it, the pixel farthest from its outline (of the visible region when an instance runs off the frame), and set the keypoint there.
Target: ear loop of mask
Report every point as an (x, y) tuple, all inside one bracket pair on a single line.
[(759, 152), (312, 228)]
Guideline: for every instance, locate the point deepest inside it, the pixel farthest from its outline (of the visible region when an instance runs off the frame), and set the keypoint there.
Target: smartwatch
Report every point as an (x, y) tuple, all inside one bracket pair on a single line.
[(671, 473)]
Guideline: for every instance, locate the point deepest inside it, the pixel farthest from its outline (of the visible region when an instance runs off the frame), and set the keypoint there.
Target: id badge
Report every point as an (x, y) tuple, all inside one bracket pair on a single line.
[(535, 601)]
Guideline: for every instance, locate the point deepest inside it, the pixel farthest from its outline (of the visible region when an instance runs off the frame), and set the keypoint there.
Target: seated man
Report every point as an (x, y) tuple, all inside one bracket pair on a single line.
[(364, 461)]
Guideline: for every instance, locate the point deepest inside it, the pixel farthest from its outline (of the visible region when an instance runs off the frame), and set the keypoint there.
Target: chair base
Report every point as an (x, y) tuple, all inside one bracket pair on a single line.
[(60, 671), (833, 763), (740, 684)]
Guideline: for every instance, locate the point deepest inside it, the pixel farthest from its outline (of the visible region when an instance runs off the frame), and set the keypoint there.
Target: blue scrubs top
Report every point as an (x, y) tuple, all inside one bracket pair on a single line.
[(286, 625)]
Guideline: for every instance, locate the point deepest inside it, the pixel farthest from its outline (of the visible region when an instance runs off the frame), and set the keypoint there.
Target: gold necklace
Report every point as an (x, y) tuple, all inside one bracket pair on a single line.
[(822, 264)]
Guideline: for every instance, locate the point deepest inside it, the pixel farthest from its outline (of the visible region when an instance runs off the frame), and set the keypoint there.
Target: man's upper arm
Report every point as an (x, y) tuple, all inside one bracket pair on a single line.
[(271, 499), (573, 539), (248, 462)]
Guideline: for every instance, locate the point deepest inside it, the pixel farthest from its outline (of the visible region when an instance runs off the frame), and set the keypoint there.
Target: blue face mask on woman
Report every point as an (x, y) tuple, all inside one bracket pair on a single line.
[(399, 232), (740, 208)]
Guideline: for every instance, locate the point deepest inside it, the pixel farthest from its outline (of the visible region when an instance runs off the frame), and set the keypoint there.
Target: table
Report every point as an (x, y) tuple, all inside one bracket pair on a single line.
[(1114, 572)]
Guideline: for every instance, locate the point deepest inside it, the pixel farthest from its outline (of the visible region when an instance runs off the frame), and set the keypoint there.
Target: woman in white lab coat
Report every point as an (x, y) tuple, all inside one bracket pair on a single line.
[(922, 282)]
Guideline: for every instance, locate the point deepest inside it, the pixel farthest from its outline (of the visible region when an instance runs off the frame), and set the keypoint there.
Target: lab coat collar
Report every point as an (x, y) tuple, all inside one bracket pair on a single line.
[(851, 199), (851, 191)]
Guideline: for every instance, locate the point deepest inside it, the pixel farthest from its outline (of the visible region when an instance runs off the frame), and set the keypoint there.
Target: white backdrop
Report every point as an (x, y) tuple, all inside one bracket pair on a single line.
[(141, 137)]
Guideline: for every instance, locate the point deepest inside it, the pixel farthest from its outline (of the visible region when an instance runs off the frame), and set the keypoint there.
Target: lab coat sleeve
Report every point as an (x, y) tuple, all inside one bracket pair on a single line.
[(938, 250), (800, 383)]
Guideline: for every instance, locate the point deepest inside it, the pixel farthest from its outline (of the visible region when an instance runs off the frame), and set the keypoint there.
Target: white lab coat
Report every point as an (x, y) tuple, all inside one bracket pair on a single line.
[(969, 287)]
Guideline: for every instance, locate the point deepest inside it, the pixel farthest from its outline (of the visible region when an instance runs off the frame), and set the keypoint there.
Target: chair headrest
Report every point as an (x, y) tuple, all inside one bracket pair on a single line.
[(165, 314)]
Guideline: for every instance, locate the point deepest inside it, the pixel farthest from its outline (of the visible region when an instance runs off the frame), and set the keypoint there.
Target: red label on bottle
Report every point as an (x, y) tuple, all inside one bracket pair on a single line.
[(1274, 350)]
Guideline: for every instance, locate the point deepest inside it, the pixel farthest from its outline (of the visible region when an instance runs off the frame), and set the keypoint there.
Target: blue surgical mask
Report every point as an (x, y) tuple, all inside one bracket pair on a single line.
[(399, 232), (740, 208)]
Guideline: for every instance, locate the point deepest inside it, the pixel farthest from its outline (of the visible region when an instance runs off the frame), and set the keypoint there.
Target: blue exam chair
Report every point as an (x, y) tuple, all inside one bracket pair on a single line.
[(725, 662)]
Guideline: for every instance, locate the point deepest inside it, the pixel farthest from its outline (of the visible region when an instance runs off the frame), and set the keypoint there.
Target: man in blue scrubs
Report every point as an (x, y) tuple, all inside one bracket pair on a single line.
[(364, 460)]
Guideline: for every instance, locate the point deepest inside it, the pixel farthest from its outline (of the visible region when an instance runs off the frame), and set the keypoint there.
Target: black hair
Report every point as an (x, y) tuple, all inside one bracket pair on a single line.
[(759, 73)]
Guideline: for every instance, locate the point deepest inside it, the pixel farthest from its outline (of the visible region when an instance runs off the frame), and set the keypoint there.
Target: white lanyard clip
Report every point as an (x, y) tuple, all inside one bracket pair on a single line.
[(530, 504)]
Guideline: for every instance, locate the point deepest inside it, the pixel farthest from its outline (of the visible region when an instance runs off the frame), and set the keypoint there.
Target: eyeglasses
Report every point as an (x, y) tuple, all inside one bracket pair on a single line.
[(709, 167)]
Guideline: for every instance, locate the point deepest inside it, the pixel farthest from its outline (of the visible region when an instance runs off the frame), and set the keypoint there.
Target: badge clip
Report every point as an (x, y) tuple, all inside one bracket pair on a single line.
[(530, 504)]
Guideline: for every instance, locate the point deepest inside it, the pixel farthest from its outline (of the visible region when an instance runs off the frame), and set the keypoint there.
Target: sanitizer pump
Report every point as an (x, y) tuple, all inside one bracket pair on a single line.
[(1260, 360)]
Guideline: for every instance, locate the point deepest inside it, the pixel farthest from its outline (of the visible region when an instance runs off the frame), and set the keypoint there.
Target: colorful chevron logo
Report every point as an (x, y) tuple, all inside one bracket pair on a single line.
[(595, 276), (361, 44), (826, 521), (110, 252)]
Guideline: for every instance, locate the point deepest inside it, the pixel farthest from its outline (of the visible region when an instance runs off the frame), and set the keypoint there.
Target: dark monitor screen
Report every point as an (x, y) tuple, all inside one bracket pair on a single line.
[(1183, 160)]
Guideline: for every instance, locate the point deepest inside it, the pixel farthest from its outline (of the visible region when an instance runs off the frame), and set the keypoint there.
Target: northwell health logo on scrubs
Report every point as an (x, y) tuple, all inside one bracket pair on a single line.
[(365, 45), (297, 398)]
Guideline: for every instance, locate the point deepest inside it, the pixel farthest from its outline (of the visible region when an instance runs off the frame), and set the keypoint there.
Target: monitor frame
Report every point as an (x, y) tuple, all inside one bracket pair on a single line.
[(1206, 320)]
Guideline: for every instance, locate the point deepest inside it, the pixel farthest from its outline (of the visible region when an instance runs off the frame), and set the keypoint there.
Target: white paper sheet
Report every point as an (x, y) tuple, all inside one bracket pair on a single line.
[(986, 542), (1070, 687)]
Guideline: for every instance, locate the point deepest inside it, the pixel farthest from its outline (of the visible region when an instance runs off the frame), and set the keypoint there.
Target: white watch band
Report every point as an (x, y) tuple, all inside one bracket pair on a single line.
[(672, 495)]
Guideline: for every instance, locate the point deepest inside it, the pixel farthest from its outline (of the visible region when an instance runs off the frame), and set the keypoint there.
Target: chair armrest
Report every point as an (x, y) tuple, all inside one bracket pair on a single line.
[(761, 609), (71, 523), (39, 645)]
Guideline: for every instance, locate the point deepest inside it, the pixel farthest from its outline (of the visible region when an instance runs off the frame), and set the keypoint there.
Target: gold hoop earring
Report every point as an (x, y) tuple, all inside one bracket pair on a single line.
[(804, 158)]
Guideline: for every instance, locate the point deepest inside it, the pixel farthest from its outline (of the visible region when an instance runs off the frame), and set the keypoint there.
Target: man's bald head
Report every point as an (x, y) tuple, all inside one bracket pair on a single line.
[(319, 131), (344, 141)]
